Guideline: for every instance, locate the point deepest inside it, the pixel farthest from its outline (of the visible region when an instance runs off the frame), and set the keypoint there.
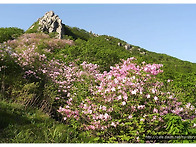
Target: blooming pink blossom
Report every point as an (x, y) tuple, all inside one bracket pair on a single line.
[(119, 97), (113, 124), (134, 91), (113, 89), (155, 110), (155, 98), (148, 96), (142, 119), (123, 103)]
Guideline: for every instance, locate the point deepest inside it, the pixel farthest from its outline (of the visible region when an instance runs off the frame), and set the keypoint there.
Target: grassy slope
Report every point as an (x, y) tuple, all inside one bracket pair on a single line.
[(20, 125), (104, 51), (169, 62)]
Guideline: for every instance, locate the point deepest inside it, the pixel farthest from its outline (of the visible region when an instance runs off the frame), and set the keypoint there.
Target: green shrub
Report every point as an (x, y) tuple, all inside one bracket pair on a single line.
[(10, 33)]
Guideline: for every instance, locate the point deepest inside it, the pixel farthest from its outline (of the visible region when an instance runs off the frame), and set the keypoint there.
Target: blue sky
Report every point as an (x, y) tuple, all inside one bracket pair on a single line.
[(161, 28)]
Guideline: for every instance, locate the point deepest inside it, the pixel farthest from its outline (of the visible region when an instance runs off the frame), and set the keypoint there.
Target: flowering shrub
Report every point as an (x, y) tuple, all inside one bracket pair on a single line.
[(36, 65), (38, 39), (57, 43), (2, 58), (126, 104), (28, 55)]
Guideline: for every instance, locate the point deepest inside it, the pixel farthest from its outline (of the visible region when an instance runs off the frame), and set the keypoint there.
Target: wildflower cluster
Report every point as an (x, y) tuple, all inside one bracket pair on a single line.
[(37, 39), (26, 53), (5, 52), (126, 98), (37, 65)]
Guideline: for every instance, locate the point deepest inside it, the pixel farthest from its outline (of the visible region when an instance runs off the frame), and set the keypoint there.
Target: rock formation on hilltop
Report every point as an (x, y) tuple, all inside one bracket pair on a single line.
[(50, 23)]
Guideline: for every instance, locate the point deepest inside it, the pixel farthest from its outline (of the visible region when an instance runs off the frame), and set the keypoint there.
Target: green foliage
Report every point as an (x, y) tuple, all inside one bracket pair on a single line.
[(53, 34), (176, 127), (9, 75), (27, 94), (33, 28), (97, 51), (29, 125), (184, 86), (10, 33), (76, 33)]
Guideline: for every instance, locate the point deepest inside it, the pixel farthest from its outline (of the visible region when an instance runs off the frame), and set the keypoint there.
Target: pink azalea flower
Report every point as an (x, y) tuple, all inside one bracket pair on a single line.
[(153, 90), (141, 107), (101, 116), (92, 127), (125, 97), (188, 105), (115, 81), (134, 92), (155, 110), (155, 98), (113, 124), (148, 96), (141, 119), (106, 116), (123, 103), (119, 97), (104, 108), (165, 111), (68, 95), (113, 89)]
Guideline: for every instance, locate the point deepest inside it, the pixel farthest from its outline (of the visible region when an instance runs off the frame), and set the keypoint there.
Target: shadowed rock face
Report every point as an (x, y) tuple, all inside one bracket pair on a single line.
[(128, 46), (51, 23)]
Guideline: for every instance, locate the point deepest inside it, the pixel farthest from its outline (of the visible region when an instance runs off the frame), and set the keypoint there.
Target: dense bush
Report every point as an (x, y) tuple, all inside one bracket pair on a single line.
[(10, 33)]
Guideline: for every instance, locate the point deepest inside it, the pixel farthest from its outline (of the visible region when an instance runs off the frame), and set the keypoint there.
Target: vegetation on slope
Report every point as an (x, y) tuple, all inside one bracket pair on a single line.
[(41, 72), (76, 33), (29, 125), (10, 33)]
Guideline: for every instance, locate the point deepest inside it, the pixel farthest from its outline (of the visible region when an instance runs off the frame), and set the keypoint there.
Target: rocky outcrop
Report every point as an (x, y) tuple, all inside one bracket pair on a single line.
[(51, 23), (119, 44), (128, 46)]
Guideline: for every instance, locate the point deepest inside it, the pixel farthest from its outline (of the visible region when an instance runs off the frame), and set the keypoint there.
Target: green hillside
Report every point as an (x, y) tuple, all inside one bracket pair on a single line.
[(38, 73)]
